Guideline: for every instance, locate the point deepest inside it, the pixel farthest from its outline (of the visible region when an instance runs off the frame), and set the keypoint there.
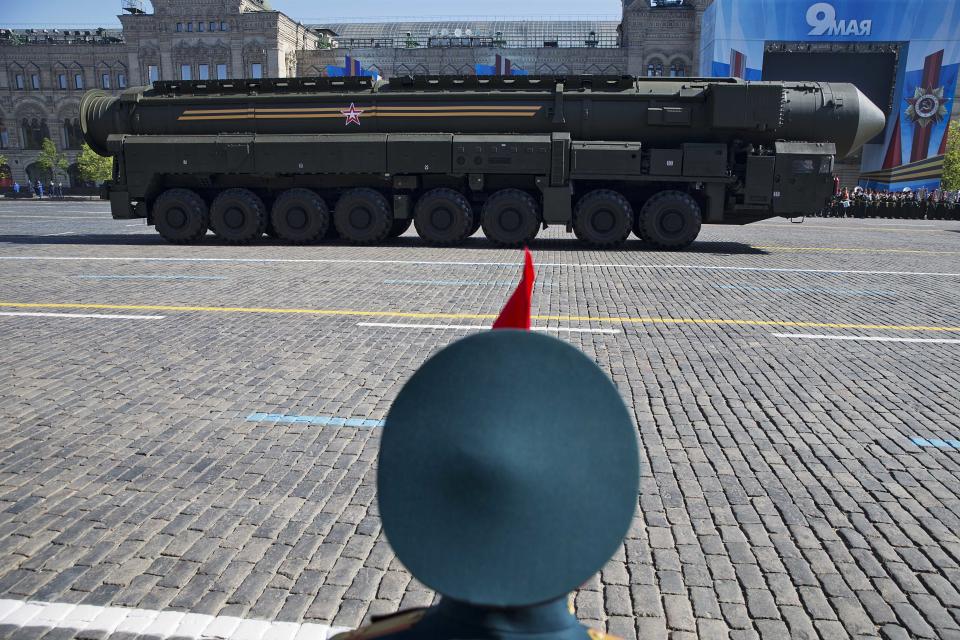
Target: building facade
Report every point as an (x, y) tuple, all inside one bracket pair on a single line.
[(43, 73)]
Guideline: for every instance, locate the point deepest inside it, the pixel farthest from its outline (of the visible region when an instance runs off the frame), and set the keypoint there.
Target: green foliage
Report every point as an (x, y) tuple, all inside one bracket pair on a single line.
[(951, 162), (50, 160), (3, 159), (93, 167)]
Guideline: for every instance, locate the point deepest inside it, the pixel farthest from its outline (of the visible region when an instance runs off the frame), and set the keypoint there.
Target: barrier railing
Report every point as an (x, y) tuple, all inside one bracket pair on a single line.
[(940, 206)]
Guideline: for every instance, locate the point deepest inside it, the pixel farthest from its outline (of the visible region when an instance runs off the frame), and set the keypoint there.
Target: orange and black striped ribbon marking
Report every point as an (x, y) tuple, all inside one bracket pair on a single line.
[(306, 113)]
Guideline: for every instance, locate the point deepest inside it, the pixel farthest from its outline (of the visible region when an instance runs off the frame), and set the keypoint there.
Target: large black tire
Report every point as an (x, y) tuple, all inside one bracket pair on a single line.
[(669, 220), (238, 216), (363, 216), (300, 216), (443, 217), (510, 218), (180, 216), (399, 227), (603, 218)]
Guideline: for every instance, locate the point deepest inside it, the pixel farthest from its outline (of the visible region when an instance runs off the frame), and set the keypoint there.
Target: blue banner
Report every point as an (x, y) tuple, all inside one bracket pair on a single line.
[(351, 68), (734, 35)]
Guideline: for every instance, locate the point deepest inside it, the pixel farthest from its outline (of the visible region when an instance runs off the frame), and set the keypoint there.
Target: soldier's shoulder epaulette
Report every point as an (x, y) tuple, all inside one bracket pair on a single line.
[(384, 626), (599, 635)]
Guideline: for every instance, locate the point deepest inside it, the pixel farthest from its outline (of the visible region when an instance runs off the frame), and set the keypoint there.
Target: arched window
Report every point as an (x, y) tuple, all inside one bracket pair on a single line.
[(72, 134), (678, 69), (33, 131), (4, 136)]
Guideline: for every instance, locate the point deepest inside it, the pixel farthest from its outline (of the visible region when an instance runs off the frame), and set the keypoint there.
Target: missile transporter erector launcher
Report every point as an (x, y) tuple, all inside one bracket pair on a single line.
[(309, 158)]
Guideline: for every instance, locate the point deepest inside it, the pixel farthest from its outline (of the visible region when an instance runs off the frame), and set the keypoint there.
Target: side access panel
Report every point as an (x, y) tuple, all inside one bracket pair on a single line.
[(666, 162), (605, 159), (147, 156), (560, 162), (752, 106), (416, 153), (519, 155), (803, 177), (707, 160), (236, 154), (758, 188), (321, 153)]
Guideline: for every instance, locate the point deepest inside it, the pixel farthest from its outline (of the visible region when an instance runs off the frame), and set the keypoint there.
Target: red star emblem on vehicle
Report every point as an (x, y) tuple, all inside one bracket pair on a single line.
[(352, 114)]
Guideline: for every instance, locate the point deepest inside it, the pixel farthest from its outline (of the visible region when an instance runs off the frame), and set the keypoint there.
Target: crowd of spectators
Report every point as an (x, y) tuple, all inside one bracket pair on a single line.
[(922, 204)]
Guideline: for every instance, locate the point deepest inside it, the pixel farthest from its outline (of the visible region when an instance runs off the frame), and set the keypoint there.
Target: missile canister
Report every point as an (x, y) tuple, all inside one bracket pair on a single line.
[(307, 158)]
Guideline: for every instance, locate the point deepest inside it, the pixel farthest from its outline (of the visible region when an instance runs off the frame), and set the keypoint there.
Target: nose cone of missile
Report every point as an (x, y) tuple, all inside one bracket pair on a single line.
[(870, 122)]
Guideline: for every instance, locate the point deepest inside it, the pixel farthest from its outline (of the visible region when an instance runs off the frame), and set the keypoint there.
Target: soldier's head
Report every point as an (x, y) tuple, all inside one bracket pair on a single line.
[(508, 471)]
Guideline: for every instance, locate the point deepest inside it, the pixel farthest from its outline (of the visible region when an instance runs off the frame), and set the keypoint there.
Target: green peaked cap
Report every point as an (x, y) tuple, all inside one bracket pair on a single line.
[(508, 470)]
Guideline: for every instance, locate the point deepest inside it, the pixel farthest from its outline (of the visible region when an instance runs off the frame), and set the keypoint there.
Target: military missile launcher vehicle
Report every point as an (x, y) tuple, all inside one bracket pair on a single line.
[(305, 159)]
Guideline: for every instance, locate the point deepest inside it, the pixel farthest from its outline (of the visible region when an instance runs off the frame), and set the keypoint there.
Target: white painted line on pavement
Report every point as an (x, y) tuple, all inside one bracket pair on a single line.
[(447, 263), (101, 316), (156, 624), (174, 277), (830, 290), (47, 217), (474, 327), (808, 336)]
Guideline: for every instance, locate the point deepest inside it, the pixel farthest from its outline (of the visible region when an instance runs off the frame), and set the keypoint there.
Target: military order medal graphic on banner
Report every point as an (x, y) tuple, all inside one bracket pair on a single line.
[(926, 106)]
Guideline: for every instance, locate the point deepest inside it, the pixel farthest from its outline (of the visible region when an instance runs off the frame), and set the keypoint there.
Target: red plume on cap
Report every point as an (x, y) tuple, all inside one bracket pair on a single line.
[(516, 313)]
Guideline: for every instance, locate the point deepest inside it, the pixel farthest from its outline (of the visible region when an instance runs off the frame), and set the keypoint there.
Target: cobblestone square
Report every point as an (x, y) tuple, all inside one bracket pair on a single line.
[(188, 435)]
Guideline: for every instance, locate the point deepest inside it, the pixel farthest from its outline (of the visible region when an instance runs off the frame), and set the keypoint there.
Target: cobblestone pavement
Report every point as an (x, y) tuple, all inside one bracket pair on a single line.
[(794, 484)]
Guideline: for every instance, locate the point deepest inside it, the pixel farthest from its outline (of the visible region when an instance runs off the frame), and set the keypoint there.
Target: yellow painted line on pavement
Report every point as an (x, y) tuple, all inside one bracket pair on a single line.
[(800, 227), (477, 316), (855, 250)]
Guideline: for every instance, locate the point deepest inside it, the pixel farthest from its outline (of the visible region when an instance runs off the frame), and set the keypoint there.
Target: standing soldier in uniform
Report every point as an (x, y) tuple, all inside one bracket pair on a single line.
[(508, 476)]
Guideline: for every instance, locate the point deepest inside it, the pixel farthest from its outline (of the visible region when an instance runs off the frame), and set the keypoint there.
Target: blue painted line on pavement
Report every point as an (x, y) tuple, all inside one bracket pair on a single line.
[(322, 421), (855, 292), (936, 443), (151, 277)]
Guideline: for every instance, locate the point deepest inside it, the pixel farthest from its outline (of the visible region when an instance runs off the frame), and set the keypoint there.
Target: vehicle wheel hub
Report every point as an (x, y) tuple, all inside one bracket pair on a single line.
[(360, 218), (672, 222), (442, 219), (297, 218), (234, 217), (511, 220), (604, 221), (177, 218)]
